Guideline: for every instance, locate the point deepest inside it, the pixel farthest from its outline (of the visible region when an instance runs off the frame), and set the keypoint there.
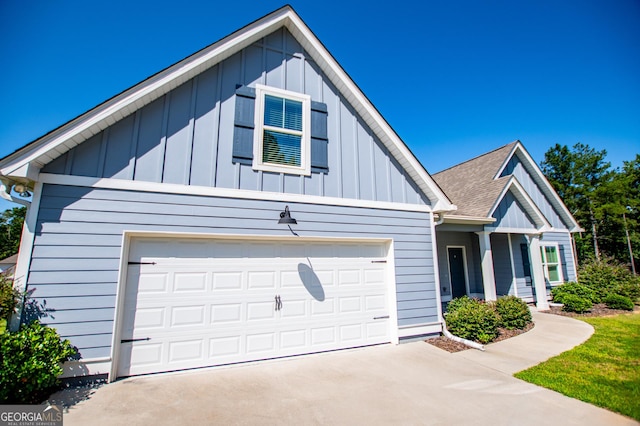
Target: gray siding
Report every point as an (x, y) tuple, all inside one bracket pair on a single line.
[(186, 136), (510, 214), (525, 289), (564, 245), (516, 168), (74, 269), (502, 264), (469, 242)]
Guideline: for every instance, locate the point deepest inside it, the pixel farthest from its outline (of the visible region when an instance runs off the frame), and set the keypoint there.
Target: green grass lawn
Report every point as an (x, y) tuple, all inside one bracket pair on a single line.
[(604, 371)]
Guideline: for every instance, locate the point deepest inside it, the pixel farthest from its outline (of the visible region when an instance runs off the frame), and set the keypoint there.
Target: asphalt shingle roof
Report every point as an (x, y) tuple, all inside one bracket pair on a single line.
[(471, 185)]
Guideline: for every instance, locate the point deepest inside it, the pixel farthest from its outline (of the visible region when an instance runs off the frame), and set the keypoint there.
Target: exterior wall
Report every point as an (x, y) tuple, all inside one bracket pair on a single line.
[(466, 239), (76, 253), (186, 137), (523, 283), (564, 245), (510, 214), (502, 264), (516, 168)]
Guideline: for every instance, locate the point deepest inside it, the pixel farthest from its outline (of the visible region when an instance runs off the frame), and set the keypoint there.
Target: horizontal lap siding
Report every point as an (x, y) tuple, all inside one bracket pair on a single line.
[(525, 288), (77, 247)]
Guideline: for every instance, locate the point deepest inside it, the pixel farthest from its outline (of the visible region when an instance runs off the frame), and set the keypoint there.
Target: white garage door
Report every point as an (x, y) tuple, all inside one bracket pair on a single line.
[(196, 302)]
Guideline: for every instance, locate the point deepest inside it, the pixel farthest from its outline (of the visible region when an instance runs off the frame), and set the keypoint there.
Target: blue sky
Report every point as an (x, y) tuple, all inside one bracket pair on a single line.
[(453, 78)]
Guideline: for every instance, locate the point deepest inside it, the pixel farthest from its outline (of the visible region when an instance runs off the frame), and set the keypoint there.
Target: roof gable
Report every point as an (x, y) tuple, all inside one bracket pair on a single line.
[(479, 185), (27, 161)]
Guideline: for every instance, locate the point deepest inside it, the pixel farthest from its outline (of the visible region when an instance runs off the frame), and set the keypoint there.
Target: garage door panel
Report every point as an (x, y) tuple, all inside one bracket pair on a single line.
[(213, 302)]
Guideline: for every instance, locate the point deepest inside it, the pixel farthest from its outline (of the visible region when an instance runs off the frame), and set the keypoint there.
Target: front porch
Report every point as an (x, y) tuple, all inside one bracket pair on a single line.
[(488, 265)]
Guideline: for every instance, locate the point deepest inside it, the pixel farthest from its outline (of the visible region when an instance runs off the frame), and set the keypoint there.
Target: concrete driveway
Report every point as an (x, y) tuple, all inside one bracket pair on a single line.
[(413, 383)]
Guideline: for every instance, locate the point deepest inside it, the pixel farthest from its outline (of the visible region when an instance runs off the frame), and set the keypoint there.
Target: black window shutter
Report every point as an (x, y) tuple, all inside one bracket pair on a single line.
[(244, 128), (526, 263), (319, 138), (244, 125)]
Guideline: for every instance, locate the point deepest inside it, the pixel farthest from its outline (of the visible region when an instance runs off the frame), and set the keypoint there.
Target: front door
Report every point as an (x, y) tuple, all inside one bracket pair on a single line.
[(456, 271)]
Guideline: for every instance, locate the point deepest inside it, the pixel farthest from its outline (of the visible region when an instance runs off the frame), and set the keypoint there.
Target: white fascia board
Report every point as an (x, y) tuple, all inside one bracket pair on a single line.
[(60, 141), (170, 188), (367, 111), (158, 85), (507, 159), (468, 220), (530, 206), (543, 183)]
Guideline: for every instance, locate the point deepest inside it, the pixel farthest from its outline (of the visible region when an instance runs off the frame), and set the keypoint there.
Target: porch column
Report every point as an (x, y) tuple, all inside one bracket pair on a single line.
[(537, 274), (486, 264)]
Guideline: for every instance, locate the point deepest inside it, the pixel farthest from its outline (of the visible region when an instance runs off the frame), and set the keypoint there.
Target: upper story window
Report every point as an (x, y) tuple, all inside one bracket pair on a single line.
[(551, 263), (281, 140)]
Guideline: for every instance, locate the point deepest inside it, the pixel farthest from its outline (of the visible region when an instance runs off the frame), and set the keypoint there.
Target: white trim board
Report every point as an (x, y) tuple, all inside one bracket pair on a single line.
[(542, 182), (170, 188)]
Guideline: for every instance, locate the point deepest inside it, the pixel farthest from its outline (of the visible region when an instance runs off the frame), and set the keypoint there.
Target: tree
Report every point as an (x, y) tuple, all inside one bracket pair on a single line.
[(617, 211), (577, 174), (11, 222)]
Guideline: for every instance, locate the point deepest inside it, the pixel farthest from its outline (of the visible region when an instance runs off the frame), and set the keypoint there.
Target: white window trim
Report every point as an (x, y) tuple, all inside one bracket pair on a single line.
[(305, 143), (543, 258)]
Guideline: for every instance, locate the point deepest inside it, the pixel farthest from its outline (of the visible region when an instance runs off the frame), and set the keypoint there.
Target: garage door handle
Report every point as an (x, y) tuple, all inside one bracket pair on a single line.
[(135, 340), (383, 317), (278, 303)]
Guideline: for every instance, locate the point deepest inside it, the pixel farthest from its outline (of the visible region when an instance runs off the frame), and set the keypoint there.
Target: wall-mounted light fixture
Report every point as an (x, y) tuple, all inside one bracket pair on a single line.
[(22, 190), (285, 217)]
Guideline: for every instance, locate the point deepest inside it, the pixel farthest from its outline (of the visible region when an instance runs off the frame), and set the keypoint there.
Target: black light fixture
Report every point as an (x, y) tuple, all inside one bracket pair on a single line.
[(285, 217)]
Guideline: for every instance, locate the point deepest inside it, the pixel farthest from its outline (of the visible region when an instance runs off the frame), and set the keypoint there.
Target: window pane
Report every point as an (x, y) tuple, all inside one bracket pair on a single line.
[(280, 148), (292, 115), (553, 273), (552, 255), (273, 111)]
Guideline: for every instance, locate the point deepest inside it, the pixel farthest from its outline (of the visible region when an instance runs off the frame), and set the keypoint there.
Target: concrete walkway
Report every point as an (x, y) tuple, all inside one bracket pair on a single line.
[(414, 383)]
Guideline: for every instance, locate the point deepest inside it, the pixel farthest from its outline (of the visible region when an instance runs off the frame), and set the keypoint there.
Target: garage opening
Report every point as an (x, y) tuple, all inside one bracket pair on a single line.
[(192, 303)]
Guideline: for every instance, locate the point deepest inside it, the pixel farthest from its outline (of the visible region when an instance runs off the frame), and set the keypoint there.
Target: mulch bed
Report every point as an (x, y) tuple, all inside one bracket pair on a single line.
[(453, 346), (598, 310)]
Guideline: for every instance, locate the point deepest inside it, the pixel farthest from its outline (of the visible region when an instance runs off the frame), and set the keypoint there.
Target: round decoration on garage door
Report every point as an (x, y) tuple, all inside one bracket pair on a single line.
[(192, 303)]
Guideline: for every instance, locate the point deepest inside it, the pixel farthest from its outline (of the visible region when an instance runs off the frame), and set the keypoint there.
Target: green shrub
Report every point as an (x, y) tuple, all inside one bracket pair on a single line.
[(616, 301), (8, 298), (573, 303), (473, 320), (574, 288), (30, 363), (459, 302), (629, 288), (513, 311), (606, 277)]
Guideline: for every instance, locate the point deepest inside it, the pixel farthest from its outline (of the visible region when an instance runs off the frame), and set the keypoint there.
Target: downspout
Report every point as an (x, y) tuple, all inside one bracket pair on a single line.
[(446, 332)]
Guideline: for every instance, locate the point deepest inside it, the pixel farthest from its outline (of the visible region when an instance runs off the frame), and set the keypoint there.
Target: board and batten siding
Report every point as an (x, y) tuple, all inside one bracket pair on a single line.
[(77, 246), (186, 136), (516, 168), (510, 214)]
